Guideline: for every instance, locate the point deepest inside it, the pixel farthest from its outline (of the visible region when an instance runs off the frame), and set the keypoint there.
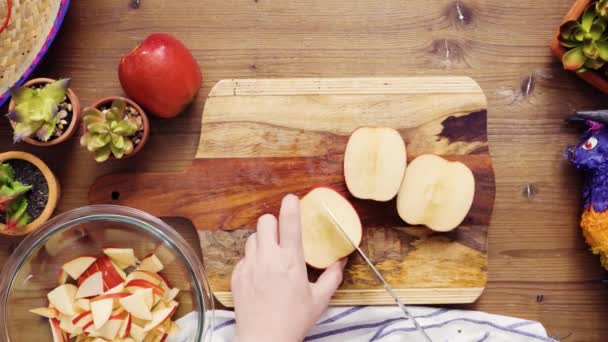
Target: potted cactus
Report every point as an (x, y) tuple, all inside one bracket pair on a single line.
[(582, 42), (114, 127), (29, 193), (44, 112)]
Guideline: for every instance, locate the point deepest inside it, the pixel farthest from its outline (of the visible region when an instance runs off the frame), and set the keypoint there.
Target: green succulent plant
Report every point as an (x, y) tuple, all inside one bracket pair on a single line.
[(12, 201), (109, 132), (586, 39), (601, 8), (35, 111)]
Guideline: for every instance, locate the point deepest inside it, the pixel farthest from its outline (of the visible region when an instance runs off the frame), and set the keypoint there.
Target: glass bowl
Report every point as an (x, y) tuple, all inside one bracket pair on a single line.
[(32, 270)]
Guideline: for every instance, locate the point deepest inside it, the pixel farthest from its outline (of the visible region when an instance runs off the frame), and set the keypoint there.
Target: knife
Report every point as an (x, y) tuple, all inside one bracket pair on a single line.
[(386, 285)]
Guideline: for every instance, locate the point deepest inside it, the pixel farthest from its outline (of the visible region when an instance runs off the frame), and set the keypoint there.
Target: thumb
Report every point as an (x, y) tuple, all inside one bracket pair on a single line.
[(328, 283)]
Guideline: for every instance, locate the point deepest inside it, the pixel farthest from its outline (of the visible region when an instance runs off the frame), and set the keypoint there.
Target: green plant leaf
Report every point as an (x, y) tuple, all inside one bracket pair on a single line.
[(117, 152), (588, 18), (102, 154), (92, 115), (7, 173), (23, 130), (590, 49), (603, 50), (574, 59), (128, 146), (566, 30), (45, 132), (55, 91), (568, 43), (99, 127), (118, 141), (22, 94), (97, 141), (17, 214), (597, 30), (594, 64), (118, 109), (125, 128)]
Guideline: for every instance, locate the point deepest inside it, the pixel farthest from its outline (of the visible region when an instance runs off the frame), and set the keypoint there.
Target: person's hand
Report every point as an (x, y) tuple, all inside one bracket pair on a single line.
[(273, 299)]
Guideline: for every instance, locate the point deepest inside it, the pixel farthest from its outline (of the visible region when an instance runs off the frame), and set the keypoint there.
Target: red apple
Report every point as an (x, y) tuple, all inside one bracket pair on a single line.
[(161, 75)]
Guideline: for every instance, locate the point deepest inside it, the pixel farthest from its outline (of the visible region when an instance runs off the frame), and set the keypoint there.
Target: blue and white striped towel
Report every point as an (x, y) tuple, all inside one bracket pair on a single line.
[(386, 324)]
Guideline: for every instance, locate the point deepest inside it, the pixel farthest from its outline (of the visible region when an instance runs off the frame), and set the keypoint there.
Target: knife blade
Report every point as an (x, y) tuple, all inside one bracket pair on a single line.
[(386, 285)]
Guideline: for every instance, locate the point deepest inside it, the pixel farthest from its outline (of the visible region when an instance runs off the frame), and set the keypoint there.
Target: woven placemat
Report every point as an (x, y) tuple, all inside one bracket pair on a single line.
[(32, 28)]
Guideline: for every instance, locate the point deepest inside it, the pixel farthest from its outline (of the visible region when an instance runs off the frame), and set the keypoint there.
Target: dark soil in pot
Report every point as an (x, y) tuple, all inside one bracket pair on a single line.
[(37, 197)]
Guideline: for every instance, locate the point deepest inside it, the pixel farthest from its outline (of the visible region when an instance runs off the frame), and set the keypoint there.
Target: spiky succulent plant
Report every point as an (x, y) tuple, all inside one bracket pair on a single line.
[(12, 201), (109, 131), (35, 112), (586, 40)]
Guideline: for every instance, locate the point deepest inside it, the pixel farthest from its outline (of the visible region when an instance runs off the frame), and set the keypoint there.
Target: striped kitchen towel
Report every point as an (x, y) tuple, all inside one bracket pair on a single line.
[(386, 324)]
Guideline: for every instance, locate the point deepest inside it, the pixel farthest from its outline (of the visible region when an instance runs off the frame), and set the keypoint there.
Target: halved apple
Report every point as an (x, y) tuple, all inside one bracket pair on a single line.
[(374, 163), (151, 263), (62, 298), (92, 286), (436, 193), (323, 241), (136, 305), (76, 267), (123, 257), (46, 312), (101, 310)]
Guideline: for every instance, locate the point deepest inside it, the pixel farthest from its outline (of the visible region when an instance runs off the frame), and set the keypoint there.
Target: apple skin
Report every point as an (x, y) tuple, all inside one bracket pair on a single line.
[(161, 75)]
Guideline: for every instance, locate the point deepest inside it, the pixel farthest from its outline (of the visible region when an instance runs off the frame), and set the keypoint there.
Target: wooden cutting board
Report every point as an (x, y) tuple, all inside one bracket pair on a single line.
[(261, 139)]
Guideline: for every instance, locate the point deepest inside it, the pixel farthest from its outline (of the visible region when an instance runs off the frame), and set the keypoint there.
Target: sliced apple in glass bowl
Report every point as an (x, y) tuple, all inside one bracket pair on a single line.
[(322, 240), (106, 305)]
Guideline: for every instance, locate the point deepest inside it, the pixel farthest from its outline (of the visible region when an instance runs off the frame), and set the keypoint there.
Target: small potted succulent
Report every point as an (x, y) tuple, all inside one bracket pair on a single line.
[(44, 112), (29, 193), (114, 127)]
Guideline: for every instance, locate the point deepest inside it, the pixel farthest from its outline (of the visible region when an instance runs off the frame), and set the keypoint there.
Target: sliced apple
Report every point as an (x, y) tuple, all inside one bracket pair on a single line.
[(92, 286), (436, 193), (58, 335), (145, 275), (46, 312), (151, 263), (111, 277), (323, 241), (76, 267), (84, 304), (67, 326), (374, 163), (136, 305), (171, 294), (108, 330), (62, 298), (125, 329), (123, 257), (158, 317), (62, 278), (137, 332), (174, 330), (136, 284), (101, 310), (82, 319), (116, 289)]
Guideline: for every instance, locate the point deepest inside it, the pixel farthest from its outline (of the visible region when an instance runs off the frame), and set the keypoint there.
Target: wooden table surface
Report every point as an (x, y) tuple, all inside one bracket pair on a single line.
[(539, 266)]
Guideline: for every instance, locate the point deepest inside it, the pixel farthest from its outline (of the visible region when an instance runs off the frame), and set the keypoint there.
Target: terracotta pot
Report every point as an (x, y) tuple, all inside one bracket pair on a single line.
[(71, 129), (53, 197), (144, 120), (591, 77)]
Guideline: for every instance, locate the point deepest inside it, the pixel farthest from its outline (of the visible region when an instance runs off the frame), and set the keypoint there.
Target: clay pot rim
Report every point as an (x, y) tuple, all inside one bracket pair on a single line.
[(591, 77), (52, 199), (69, 132), (142, 113)]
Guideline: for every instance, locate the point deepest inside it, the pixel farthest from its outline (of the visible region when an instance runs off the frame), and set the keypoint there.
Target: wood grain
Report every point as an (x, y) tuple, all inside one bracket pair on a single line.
[(535, 247), (260, 140)]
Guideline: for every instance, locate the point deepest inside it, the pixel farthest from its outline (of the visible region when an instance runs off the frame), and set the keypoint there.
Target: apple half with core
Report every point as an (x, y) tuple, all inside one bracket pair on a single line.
[(374, 163), (436, 193), (322, 240)]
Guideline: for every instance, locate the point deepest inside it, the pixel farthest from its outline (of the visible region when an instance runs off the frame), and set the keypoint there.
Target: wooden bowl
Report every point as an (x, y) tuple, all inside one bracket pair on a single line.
[(71, 129), (144, 120), (591, 77), (53, 197)]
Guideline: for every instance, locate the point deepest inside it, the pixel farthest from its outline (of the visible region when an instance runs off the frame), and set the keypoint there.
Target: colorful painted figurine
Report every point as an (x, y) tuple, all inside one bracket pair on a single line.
[(590, 157)]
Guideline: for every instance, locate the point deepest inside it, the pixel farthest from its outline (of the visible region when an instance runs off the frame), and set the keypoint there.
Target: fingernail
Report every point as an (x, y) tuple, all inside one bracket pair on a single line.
[(290, 198)]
